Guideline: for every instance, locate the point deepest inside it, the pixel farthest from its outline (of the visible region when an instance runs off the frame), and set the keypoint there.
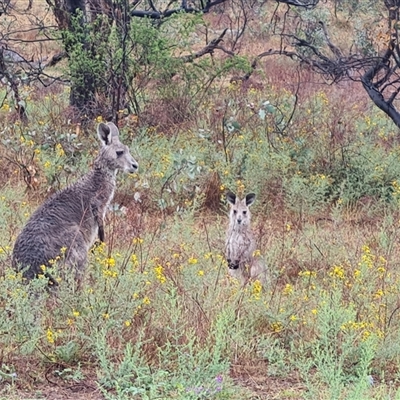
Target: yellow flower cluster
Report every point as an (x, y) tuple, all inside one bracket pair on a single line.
[(337, 271), (367, 258), (135, 262), (137, 240), (256, 289), (308, 274), (276, 327), (364, 328), (59, 150), (192, 261), (5, 107), (288, 289), (159, 270), (50, 335), (110, 262)]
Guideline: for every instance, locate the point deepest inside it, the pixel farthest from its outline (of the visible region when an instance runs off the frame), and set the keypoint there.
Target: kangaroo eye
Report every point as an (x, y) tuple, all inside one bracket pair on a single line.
[(244, 212), (119, 153), (235, 211)]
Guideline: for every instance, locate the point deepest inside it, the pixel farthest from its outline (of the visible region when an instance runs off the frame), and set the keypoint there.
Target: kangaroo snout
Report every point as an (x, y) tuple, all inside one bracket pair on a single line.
[(234, 264), (133, 168)]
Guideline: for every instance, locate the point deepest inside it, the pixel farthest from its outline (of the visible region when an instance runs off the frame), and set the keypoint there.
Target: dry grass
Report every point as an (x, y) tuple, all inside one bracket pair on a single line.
[(294, 242)]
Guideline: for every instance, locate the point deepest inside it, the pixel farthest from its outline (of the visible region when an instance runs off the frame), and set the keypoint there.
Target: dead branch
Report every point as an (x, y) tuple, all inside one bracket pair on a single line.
[(155, 14), (308, 4), (209, 49)]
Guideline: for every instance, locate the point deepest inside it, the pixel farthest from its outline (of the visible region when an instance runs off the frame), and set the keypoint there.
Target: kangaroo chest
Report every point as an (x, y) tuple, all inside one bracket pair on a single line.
[(100, 194), (239, 247)]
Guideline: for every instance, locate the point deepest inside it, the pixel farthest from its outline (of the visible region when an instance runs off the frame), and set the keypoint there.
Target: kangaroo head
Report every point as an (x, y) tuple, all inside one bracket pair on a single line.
[(114, 155), (239, 214)]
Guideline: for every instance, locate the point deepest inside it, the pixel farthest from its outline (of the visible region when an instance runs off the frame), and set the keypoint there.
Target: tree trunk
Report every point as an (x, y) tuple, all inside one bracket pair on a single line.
[(72, 17)]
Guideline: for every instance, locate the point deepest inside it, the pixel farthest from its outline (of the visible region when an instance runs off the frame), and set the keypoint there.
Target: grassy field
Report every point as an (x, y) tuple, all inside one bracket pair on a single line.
[(158, 316)]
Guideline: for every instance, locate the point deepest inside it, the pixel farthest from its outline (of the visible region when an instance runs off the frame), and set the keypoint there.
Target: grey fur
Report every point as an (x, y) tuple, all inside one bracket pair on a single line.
[(240, 242), (73, 217)]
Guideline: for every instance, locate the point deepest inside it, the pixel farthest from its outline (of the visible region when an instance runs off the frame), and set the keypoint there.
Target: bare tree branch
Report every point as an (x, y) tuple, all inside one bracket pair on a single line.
[(308, 4), (335, 50), (154, 14), (153, 6), (209, 49), (378, 73)]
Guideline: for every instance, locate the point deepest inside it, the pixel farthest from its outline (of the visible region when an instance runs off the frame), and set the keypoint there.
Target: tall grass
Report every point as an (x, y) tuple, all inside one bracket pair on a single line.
[(158, 315)]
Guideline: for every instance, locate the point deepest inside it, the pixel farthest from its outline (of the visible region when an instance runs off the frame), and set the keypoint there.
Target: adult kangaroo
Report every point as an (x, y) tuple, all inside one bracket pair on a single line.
[(68, 222)]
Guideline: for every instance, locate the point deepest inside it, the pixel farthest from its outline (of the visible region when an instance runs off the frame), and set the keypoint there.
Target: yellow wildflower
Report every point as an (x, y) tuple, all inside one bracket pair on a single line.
[(277, 327), (59, 150), (159, 270), (256, 253), (337, 272), (110, 262), (288, 289), (107, 273), (365, 335), (256, 289), (50, 335)]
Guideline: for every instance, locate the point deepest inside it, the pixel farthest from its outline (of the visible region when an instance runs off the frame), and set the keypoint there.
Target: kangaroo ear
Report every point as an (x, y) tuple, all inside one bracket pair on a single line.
[(231, 197), (250, 199), (104, 133), (113, 128)]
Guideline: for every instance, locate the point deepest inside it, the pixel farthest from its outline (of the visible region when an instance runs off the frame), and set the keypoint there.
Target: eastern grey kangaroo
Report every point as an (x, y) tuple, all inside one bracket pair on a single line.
[(240, 243), (68, 222)]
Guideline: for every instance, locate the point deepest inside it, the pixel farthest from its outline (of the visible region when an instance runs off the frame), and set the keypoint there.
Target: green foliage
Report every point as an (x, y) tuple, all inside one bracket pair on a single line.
[(157, 315), (47, 156), (112, 64), (86, 51), (307, 164), (351, 7), (338, 355), (21, 310), (131, 320), (155, 324)]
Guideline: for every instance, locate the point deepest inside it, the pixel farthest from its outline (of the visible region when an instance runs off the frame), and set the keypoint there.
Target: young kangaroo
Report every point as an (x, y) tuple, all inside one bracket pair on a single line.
[(72, 218), (240, 243)]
